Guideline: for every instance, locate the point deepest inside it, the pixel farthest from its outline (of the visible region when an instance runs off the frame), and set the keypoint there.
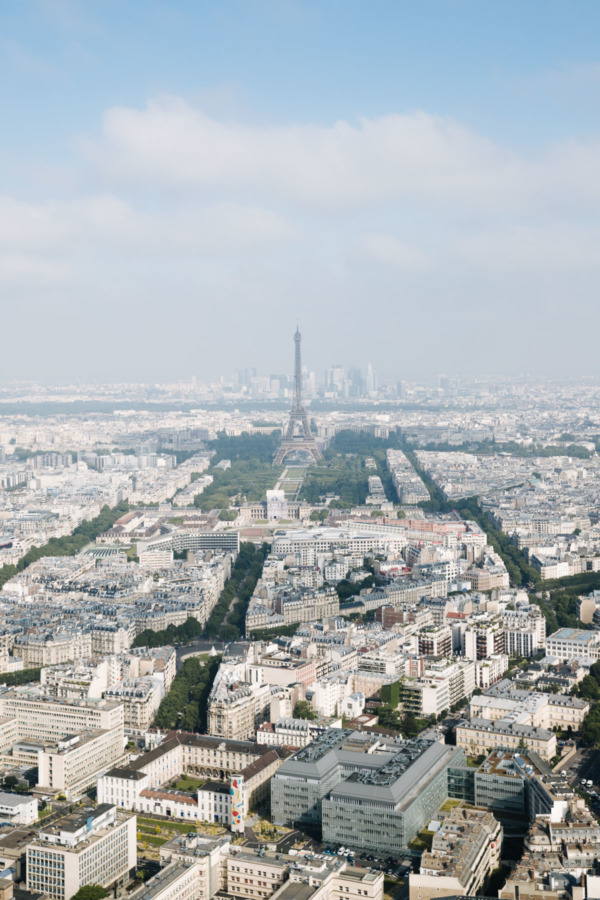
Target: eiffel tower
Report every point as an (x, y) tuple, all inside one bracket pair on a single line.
[(298, 435)]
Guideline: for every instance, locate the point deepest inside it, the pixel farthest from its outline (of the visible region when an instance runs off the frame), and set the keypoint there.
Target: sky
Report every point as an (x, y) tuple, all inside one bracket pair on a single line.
[(416, 184)]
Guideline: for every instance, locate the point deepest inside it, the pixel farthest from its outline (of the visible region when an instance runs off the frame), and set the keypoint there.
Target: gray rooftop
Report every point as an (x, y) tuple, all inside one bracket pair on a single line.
[(13, 800)]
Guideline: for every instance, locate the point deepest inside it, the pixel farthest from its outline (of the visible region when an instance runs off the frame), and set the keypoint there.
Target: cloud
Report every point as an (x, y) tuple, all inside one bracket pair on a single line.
[(106, 223), (24, 271), (30, 225), (301, 219), (533, 248), (384, 249), (414, 157)]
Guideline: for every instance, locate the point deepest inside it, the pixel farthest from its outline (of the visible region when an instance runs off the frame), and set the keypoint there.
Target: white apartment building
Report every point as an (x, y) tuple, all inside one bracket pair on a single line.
[(140, 698), (73, 764), (308, 607), (43, 717), (235, 711), (108, 639), (483, 637), (90, 846), (527, 621), (443, 684), (479, 736), (44, 649), (539, 710), (573, 643), (289, 732), (178, 881), (9, 663), (76, 681), (18, 809), (490, 671), (241, 873)]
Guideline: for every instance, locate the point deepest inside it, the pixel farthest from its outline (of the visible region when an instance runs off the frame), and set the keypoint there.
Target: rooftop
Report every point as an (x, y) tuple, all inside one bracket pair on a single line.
[(574, 634)]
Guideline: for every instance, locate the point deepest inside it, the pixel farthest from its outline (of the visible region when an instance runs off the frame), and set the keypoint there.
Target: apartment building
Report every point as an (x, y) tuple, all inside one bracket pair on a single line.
[(260, 875), (435, 641), (208, 853), (95, 845), (573, 643), (73, 763), (76, 681), (177, 881), (482, 735), (289, 732), (524, 631), (444, 683), (464, 851), (547, 711), (157, 661), (38, 716), (490, 671), (308, 606), (483, 637), (109, 639), (50, 649), (140, 698), (18, 809), (236, 710)]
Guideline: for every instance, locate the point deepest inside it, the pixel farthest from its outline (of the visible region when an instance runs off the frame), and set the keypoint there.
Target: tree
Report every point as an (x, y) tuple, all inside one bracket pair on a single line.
[(185, 704), (388, 717), (303, 710), (90, 892), (11, 782), (589, 688), (410, 725), (390, 694), (590, 729)]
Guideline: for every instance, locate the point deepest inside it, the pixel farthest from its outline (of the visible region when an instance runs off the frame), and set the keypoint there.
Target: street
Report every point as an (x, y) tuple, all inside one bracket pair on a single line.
[(584, 765)]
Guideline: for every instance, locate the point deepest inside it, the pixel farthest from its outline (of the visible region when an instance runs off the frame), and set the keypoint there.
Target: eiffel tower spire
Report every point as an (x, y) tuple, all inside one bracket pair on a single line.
[(298, 435)]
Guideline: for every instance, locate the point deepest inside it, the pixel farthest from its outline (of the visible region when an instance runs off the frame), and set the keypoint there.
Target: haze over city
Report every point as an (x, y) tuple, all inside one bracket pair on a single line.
[(417, 184)]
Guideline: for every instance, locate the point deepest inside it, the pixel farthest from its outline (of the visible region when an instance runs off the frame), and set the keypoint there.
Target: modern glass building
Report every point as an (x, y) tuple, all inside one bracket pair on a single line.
[(364, 791)]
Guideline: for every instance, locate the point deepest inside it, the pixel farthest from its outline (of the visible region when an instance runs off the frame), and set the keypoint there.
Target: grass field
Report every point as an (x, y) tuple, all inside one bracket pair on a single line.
[(167, 825), (188, 784), (450, 803), (156, 840), (422, 841)]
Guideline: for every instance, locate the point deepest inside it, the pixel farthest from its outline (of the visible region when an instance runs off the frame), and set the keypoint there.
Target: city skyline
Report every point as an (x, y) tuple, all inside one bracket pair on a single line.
[(279, 160), (309, 623)]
